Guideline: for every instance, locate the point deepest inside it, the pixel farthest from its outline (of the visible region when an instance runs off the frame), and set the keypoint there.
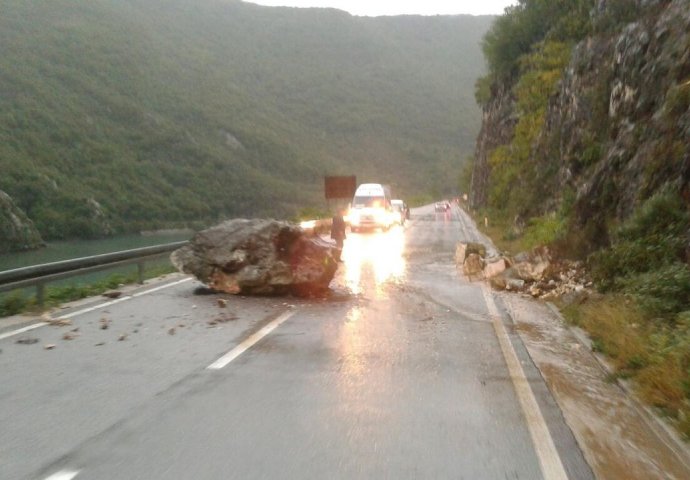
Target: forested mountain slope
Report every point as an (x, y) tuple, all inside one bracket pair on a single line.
[(117, 115)]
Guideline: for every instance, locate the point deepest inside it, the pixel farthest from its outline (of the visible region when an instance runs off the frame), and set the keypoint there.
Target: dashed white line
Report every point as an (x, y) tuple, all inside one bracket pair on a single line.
[(64, 475), (91, 309), (549, 460), (248, 342)]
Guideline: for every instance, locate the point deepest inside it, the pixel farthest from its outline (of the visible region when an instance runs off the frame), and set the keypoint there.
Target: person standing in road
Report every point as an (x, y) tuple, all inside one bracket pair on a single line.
[(338, 232)]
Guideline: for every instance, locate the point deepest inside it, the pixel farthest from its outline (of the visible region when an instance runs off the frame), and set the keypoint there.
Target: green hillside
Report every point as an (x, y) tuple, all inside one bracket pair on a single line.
[(167, 112)]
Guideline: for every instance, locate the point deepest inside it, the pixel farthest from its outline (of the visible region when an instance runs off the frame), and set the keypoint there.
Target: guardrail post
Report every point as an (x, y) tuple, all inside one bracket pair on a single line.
[(40, 293), (140, 272)]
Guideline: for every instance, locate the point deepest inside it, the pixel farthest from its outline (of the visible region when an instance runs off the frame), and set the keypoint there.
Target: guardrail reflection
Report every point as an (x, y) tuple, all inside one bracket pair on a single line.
[(374, 259)]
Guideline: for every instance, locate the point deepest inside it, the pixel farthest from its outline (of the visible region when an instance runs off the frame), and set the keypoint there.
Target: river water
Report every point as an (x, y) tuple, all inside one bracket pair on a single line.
[(83, 248)]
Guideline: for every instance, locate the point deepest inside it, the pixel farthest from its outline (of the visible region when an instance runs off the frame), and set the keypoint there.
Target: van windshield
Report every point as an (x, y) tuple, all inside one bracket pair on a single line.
[(368, 202)]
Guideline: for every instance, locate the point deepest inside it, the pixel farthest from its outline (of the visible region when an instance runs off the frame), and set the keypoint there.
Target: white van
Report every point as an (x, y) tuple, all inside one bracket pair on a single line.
[(371, 208)]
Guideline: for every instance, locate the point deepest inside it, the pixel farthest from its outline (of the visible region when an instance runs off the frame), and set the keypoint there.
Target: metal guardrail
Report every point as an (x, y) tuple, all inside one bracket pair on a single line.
[(39, 275)]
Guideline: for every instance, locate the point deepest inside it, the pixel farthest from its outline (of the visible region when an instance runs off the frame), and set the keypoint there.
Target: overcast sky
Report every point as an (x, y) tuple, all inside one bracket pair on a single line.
[(401, 7)]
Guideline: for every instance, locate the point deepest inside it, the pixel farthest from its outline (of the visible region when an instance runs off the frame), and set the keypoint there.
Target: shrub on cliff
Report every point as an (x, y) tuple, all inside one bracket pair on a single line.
[(529, 22), (647, 256)]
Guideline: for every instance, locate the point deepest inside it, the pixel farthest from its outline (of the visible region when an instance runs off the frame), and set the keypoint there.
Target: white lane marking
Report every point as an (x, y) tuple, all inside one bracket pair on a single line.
[(64, 475), (155, 289), (22, 330), (91, 309), (95, 307), (249, 342), (549, 460)]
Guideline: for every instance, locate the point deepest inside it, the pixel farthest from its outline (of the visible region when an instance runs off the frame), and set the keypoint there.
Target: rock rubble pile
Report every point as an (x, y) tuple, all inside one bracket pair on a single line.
[(535, 273)]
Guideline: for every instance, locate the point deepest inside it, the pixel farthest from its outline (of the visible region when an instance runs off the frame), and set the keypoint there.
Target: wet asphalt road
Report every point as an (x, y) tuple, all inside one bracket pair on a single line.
[(400, 374)]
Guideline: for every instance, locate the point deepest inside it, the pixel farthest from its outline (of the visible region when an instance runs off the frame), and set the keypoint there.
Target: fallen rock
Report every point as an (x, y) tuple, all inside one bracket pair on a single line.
[(515, 284), (460, 253), (264, 257), (58, 322), (498, 282), (464, 250), (491, 269), (531, 272), (49, 346), (112, 294), (478, 248), (473, 268)]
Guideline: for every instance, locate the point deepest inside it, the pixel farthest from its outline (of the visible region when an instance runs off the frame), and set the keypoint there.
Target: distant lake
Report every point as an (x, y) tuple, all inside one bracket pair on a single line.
[(83, 248)]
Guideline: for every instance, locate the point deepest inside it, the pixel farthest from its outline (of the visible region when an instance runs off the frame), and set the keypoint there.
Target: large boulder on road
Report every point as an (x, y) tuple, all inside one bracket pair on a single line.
[(265, 257)]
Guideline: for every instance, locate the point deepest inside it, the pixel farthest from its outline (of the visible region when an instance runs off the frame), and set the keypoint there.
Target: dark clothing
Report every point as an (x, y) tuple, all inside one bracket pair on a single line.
[(338, 232), (338, 229)]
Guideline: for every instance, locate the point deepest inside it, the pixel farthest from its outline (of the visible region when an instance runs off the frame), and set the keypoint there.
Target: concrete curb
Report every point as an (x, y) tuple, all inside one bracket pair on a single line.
[(657, 424)]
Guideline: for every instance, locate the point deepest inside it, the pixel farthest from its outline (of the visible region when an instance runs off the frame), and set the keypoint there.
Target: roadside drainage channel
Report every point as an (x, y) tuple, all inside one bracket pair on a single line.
[(658, 425)]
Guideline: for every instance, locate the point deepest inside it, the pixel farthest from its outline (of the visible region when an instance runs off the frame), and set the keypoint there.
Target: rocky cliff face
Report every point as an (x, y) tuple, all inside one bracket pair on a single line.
[(618, 129), (498, 123), (17, 232)]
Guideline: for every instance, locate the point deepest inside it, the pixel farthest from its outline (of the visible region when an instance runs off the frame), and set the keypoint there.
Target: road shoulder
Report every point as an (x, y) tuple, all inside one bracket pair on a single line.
[(614, 436)]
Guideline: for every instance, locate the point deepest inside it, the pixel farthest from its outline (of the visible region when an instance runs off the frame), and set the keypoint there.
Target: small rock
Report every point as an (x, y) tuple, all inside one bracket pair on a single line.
[(226, 318), (122, 337), (171, 331), (27, 341), (99, 344), (112, 294), (222, 303), (58, 322), (49, 346), (515, 284), (68, 336), (498, 282)]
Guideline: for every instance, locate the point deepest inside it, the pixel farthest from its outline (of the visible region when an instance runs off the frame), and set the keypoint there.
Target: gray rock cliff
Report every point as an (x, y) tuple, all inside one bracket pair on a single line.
[(17, 231), (617, 130)]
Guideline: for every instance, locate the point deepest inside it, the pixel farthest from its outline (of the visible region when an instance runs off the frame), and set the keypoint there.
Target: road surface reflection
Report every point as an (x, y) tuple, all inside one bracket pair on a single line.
[(373, 259)]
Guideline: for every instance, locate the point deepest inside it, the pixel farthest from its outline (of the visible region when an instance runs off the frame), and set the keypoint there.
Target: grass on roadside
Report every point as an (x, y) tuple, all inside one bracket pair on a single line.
[(20, 301), (500, 230), (653, 354)]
